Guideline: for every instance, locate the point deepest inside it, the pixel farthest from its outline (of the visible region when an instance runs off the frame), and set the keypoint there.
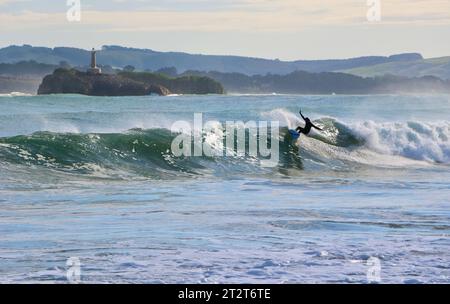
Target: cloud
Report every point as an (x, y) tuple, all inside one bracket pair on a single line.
[(240, 15)]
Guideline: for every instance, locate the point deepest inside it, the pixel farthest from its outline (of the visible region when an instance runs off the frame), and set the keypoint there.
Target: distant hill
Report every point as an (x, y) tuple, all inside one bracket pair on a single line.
[(23, 76), (340, 64), (18, 84), (145, 59), (28, 69), (439, 67), (301, 82)]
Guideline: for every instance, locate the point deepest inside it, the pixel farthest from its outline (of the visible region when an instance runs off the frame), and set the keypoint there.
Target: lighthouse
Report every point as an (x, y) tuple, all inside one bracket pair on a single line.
[(94, 70)]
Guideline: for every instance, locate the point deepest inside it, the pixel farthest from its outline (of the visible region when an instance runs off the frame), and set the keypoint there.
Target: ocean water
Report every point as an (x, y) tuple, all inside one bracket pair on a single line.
[(92, 178)]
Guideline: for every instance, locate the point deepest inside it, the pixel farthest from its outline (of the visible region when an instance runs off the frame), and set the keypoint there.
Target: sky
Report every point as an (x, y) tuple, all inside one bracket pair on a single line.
[(283, 29)]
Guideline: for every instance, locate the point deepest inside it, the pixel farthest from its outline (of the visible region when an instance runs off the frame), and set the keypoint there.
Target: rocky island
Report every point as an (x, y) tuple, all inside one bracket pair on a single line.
[(64, 81), (94, 83)]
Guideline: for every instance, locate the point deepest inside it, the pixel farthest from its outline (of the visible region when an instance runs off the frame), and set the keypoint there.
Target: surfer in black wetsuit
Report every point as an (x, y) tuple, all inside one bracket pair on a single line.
[(308, 126)]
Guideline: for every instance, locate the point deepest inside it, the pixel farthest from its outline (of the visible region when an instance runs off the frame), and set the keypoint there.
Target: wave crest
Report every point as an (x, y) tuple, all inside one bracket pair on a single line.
[(148, 152)]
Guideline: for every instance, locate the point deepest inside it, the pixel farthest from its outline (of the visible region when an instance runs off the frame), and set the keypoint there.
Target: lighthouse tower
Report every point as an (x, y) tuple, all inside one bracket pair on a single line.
[(94, 70)]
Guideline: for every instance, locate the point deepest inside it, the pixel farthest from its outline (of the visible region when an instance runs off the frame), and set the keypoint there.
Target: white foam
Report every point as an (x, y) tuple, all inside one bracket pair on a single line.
[(362, 155), (415, 140), (16, 94)]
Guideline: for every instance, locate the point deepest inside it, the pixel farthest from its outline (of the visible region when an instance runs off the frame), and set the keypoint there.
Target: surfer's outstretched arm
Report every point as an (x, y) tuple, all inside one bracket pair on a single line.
[(316, 127), (304, 118)]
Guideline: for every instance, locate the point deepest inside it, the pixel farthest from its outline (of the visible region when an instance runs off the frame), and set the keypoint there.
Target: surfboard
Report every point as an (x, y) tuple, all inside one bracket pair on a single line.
[(294, 134)]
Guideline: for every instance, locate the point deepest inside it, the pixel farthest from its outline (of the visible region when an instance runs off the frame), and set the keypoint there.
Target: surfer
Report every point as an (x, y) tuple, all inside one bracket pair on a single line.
[(308, 125)]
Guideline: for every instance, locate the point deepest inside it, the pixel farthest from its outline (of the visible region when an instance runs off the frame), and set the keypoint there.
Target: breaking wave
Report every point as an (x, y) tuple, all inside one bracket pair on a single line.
[(136, 152), (412, 140), (147, 153)]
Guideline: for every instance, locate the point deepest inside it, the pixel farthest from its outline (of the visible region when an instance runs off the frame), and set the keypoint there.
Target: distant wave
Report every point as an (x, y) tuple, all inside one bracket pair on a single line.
[(15, 94)]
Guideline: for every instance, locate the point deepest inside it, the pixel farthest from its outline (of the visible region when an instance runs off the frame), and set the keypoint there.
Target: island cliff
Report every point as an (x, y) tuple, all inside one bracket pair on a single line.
[(64, 81)]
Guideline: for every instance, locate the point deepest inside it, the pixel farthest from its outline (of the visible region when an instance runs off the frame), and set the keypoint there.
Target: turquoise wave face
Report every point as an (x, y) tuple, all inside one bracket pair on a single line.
[(139, 152), (142, 152)]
